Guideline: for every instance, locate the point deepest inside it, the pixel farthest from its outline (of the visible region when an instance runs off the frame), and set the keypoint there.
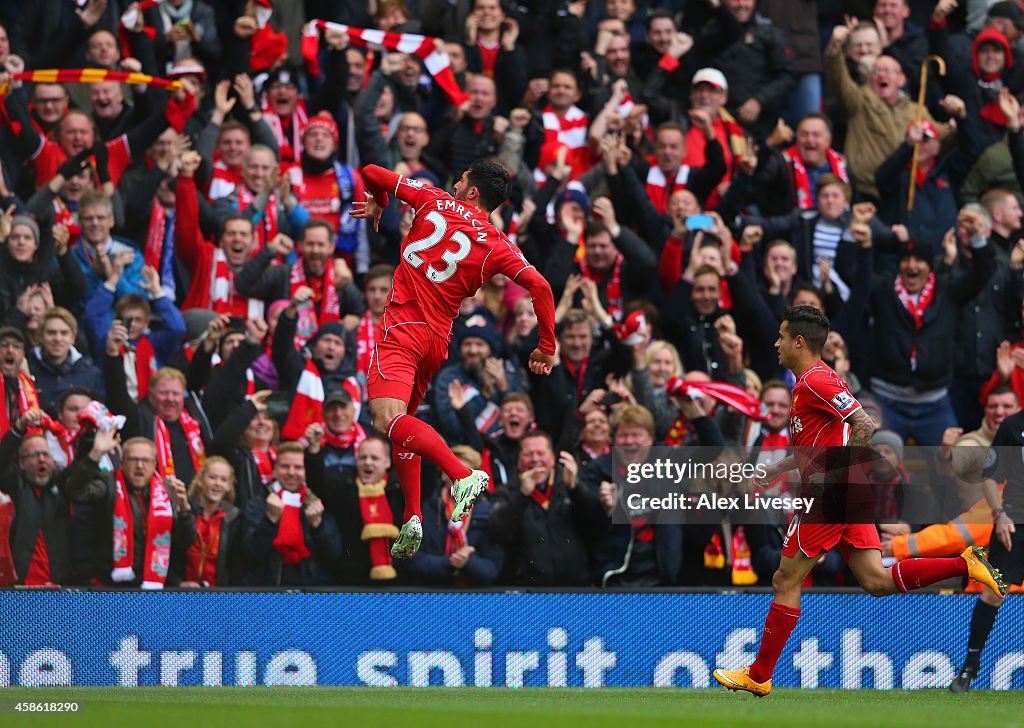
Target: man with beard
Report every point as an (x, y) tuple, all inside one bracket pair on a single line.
[(289, 540), (321, 290), (542, 523), (150, 514), (483, 378), (272, 206), (326, 188), (213, 268), (914, 350), (180, 430), (501, 448), (39, 540)]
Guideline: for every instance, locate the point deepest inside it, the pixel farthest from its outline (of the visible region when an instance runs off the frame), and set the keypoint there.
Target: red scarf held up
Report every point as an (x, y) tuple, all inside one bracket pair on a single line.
[(63, 216), (309, 318), (290, 541), (28, 398), (614, 290), (916, 310), (159, 521), (378, 527), (802, 181), (366, 339), (145, 364), (155, 234)]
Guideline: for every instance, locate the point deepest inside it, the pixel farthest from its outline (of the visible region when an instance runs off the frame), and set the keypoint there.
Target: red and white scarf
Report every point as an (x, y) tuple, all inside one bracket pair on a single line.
[(366, 339), (265, 463), (289, 151), (194, 436), (62, 215), (346, 440), (60, 440), (159, 521), (267, 228), (570, 130), (290, 541), (802, 181), (224, 298), (916, 310), (614, 291), (455, 539), (223, 181), (436, 61), (28, 398), (659, 189), (309, 318), (140, 365)]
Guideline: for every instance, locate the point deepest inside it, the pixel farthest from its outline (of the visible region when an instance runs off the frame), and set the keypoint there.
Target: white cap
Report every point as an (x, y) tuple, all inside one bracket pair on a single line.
[(711, 75)]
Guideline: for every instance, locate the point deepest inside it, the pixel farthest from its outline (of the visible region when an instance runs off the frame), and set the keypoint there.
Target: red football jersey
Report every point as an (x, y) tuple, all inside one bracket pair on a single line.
[(451, 250), (821, 404)]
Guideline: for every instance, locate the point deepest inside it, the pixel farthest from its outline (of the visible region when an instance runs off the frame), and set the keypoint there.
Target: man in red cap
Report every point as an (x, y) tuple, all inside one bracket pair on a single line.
[(326, 188)]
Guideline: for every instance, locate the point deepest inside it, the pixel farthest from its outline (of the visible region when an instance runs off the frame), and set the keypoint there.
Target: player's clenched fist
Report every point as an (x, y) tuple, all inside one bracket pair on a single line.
[(541, 363)]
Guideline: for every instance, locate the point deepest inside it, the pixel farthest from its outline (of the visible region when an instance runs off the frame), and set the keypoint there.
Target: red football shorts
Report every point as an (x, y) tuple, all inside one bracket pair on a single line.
[(404, 361), (814, 539)]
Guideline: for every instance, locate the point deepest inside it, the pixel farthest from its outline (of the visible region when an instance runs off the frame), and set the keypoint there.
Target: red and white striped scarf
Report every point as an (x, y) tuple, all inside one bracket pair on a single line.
[(63, 215), (423, 47), (614, 291), (140, 361), (194, 436), (288, 151), (569, 129), (223, 181), (224, 298), (267, 228), (265, 463), (307, 404), (366, 339), (802, 181), (290, 541), (156, 234), (346, 440), (658, 188), (916, 310), (159, 521), (60, 440), (310, 319)]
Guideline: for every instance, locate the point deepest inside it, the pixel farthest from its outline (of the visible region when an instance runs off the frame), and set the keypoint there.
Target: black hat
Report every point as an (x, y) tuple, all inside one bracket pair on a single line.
[(918, 249), (13, 332), (338, 396), (1009, 10), (282, 75)]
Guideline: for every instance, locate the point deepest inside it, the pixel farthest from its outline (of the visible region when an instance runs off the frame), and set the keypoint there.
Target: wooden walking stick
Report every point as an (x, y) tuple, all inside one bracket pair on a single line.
[(920, 117)]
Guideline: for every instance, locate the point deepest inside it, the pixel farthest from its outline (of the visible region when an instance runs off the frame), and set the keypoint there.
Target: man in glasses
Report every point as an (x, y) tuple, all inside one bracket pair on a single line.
[(149, 514)]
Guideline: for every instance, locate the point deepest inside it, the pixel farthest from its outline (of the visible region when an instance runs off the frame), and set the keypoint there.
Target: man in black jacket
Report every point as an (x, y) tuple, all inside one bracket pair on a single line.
[(40, 538), (914, 334), (542, 525)]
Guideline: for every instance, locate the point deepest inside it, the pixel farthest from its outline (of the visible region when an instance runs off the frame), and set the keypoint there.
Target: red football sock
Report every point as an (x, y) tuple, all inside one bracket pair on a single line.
[(916, 573), (417, 436), (778, 625), (407, 468)]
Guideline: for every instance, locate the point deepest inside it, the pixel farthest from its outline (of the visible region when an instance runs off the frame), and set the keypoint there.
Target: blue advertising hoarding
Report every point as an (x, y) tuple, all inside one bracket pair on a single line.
[(488, 639)]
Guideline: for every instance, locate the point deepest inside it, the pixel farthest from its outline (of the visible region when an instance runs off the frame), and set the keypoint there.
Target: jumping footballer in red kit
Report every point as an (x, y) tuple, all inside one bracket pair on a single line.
[(451, 250), (824, 414)]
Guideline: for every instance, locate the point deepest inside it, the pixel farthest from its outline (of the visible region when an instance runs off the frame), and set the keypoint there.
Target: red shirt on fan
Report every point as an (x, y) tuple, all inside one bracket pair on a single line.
[(451, 250), (821, 405)]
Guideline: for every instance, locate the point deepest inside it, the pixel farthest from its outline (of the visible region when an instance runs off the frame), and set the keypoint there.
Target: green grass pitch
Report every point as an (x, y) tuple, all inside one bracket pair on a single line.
[(532, 707)]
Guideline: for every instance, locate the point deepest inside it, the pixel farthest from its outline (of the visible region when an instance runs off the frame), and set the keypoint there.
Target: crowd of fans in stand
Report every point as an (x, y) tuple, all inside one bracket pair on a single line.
[(187, 260)]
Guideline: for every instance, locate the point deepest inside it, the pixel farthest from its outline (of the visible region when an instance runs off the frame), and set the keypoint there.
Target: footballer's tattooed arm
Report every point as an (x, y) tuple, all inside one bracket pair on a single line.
[(861, 429)]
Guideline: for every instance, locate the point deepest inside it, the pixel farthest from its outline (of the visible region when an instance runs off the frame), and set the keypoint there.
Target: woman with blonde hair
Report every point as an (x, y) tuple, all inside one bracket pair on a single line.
[(213, 558), (653, 365)]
